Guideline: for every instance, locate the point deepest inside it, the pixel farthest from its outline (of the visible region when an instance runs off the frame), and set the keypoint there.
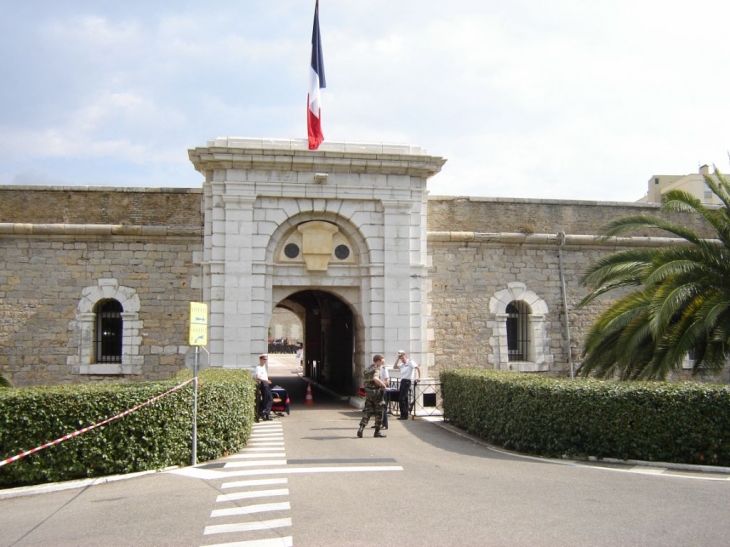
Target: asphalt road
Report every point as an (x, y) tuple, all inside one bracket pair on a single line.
[(307, 480)]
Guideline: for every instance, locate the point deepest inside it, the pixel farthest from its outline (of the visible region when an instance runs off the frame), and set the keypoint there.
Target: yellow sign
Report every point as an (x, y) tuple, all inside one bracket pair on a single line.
[(198, 335)]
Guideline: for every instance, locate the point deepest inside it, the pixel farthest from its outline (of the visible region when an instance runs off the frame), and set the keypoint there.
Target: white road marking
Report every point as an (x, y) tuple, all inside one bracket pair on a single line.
[(274, 542), (251, 509), (254, 482), (250, 495), (246, 526), (254, 463), (257, 455), (648, 470), (304, 470)]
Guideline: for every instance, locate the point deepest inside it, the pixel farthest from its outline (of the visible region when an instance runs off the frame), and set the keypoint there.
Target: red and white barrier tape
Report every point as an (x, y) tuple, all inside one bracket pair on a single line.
[(89, 428)]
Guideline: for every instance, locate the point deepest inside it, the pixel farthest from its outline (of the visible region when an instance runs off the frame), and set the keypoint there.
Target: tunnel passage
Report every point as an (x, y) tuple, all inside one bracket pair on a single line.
[(328, 337)]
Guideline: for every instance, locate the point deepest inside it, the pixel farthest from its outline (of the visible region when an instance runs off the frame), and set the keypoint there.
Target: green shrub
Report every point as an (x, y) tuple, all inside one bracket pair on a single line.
[(156, 436), (651, 421), (5, 381)]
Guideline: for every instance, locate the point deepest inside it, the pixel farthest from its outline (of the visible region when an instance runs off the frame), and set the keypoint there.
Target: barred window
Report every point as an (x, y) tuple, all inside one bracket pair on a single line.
[(108, 332), (518, 333)]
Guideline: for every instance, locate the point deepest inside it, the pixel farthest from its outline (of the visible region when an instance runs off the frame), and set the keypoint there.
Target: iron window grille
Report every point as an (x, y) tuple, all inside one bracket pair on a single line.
[(108, 335), (518, 338)]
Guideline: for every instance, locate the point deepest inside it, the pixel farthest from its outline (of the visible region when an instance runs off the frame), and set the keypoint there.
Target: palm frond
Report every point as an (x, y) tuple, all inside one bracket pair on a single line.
[(678, 300)]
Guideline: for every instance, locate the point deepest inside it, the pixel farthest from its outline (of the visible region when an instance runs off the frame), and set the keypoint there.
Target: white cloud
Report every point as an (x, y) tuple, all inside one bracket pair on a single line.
[(34, 177), (529, 98)]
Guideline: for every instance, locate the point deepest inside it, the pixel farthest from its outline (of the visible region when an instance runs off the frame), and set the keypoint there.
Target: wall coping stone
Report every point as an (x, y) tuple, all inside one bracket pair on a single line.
[(517, 238), (128, 189), (331, 157), (638, 205), (26, 229)]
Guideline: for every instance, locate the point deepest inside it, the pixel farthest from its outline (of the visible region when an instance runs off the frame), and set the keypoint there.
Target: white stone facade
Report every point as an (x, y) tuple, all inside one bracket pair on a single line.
[(347, 219)]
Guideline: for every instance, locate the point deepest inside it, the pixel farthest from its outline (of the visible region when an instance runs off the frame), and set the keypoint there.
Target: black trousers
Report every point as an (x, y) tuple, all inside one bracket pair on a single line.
[(405, 388), (267, 400)]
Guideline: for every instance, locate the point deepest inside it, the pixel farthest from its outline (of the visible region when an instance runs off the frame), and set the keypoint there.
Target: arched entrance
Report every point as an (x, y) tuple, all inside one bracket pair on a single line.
[(338, 233), (329, 337)]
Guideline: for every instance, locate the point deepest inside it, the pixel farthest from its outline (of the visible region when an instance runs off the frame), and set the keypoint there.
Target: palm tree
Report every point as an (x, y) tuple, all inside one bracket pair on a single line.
[(675, 300)]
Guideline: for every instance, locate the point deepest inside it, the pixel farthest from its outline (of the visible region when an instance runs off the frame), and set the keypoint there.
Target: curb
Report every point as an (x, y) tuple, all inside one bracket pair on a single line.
[(589, 460), (70, 485)]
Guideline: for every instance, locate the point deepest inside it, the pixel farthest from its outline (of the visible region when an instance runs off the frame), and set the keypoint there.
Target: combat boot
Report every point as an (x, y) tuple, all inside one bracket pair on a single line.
[(359, 431), (378, 433)]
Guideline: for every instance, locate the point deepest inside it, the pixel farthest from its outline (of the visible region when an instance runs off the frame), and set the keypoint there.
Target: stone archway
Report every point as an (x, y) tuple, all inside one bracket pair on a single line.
[(348, 220), (330, 336)]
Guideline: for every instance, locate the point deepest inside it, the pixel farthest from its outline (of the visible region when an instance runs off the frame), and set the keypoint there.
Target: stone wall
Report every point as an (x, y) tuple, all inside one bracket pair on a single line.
[(46, 268), (537, 216), (479, 246), (172, 207), (465, 276), (56, 243), (285, 324)]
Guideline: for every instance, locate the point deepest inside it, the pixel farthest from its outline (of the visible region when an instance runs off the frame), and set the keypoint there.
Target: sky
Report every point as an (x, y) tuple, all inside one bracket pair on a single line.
[(548, 99)]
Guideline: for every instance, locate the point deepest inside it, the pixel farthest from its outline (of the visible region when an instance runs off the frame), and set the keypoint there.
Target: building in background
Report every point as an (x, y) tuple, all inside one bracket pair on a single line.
[(693, 184)]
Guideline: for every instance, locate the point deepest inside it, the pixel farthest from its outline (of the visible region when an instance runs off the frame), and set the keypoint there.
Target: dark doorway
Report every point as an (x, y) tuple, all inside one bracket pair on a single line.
[(329, 338)]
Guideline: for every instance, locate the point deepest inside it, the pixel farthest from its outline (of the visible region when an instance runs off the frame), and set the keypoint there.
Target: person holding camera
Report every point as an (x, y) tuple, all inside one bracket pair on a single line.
[(410, 373)]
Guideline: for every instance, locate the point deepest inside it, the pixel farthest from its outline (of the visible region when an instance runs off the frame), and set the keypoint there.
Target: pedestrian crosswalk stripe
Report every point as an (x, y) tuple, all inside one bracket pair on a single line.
[(251, 509), (274, 542), (250, 495), (254, 482), (267, 443), (247, 526), (302, 470), (278, 435), (257, 455), (261, 449), (254, 463)]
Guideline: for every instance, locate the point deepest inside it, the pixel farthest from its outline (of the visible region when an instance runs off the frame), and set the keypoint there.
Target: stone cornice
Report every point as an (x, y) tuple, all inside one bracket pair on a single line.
[(292, 155), (517, 238), (92, 230)]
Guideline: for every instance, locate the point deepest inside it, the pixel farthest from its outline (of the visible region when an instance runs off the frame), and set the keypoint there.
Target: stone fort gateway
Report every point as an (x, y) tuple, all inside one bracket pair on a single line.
[(96, 282)]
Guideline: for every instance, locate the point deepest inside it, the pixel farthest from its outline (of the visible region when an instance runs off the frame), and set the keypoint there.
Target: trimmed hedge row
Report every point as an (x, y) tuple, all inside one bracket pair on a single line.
[(650, 421), (156, 436)]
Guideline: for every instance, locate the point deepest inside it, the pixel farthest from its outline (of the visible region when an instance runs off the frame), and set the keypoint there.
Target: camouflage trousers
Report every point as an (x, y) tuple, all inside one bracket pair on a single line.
[(373, 407)]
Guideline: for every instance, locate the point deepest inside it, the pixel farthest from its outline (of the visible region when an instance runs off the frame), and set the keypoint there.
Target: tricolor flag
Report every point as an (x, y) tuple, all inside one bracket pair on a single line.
[(316, 82)]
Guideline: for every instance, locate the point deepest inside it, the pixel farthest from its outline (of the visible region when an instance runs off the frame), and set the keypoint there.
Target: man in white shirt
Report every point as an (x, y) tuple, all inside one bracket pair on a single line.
[(261, 375), (410, 372)]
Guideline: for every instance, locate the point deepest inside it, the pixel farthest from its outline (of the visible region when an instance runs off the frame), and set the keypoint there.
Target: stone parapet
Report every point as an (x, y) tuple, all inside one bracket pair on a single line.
[(293, 156), (168, 207), (570, 240), (80, 230), (540, 216)]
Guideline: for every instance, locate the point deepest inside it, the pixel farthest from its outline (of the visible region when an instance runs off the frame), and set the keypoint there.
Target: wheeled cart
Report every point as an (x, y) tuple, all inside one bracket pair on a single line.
[(281, 400), (279, 405), (390, 396)]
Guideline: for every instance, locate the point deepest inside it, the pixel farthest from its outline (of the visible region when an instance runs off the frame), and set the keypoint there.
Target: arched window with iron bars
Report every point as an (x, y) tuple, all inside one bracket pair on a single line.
[(518, 332), (108, 332)]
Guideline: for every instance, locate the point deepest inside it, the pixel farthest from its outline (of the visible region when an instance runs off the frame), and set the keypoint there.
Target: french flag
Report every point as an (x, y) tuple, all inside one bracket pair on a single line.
[(316, 82)]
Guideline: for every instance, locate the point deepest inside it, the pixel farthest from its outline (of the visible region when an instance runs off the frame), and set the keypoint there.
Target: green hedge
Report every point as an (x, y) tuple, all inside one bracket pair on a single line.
[(651, 421), (156, 436)]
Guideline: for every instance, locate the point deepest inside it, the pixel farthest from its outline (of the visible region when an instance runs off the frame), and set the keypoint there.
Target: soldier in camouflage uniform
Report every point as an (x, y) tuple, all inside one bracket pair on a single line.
[(374, 387)]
